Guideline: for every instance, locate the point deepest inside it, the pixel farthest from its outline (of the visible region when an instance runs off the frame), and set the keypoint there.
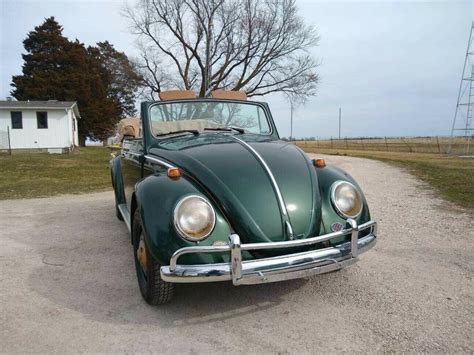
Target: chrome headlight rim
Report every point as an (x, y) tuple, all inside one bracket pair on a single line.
[(179, 228), (341, 213)]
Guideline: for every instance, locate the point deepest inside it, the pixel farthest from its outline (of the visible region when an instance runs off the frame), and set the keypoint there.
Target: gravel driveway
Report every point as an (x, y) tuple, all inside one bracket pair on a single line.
[(67, 284)]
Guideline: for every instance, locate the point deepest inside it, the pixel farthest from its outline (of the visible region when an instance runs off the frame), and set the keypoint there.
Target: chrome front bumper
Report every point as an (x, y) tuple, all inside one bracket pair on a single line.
[(279, 268)]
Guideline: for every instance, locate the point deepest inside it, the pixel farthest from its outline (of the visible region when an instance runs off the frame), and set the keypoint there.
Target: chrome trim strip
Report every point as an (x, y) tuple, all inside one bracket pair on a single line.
[(289, 230), (276, 268), (271, 245), (354, 236), (236, 256), (123, 209), (133, 153), (290, 273), (269, 172), (159, 161), (295, 243), (304, 242), (196, 249), (279, 268)]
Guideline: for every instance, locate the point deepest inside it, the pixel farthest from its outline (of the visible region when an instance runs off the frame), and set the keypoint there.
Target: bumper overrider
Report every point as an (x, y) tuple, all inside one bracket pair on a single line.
[(279, 268)]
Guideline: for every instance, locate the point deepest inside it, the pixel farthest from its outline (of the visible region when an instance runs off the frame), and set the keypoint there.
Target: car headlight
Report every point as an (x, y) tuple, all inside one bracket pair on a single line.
[(194, 218), (346, 199)]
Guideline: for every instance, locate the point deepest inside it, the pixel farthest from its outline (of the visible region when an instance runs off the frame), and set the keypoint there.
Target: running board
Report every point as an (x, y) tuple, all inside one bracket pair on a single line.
[(125, 214)]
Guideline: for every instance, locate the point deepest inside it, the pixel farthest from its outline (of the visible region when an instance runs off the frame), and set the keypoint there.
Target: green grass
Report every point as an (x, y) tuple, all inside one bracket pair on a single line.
[(436, 145), (452, 177), (27, 175)]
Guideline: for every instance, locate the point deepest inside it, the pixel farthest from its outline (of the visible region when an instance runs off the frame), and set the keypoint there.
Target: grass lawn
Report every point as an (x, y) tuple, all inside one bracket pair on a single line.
[(29, 175), (453, 177), (26, 175)]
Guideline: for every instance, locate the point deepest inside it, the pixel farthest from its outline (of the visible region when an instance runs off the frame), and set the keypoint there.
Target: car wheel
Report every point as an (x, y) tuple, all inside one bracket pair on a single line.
[(153, 289), (117, 211)]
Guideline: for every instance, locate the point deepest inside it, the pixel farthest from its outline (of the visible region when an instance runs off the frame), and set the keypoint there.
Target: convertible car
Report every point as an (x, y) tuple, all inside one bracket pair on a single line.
[(210, 193)]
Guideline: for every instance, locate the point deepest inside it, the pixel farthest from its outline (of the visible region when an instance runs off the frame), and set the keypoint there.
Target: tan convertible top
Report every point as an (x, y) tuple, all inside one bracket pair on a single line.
[(229, 95), (177, 95), (128, 127)]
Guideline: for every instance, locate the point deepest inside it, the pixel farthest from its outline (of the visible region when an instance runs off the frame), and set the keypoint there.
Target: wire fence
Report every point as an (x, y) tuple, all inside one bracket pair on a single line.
[(5, 142), (435, 145)]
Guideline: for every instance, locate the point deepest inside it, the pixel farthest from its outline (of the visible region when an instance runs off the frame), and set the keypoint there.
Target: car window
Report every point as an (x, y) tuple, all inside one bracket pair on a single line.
[(199, 115), (134, 145)]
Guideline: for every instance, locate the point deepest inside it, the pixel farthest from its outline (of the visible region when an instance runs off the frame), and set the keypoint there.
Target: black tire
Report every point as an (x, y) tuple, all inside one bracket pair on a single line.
[(154, 290), (117, 211)]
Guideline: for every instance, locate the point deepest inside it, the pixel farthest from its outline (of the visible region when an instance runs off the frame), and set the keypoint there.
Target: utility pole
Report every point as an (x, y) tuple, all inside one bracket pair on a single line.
[(339, 123), (291, 119)]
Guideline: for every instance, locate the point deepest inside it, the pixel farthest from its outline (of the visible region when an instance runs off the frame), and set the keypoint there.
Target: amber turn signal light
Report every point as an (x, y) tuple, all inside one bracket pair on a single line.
[(174, 172), (319, 163)]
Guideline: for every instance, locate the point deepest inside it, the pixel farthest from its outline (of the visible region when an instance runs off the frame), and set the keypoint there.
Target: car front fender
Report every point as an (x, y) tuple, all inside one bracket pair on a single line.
[(156, 197), (327, 176)]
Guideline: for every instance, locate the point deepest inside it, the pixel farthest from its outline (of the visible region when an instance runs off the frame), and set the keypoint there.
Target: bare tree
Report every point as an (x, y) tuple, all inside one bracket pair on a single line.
[(260, 46)]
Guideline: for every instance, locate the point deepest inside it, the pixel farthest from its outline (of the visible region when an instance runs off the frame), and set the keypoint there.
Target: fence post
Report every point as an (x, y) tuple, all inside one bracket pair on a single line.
[(409, 147), (437, 142), (386, 144), (362, 142), (9, 144), (346, 143), (331, 143)]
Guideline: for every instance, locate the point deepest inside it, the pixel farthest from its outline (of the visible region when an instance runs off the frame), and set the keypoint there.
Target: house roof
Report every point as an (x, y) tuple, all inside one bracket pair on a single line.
[(44, 105)]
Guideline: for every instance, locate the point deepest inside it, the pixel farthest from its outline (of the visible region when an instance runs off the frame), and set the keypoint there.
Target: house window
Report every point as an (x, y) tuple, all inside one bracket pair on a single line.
[(42, 120), (17, 120)]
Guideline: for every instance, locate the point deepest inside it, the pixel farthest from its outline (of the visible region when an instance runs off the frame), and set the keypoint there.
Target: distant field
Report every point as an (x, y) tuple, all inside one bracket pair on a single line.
[(452, 176), (26, 175), (436, 145)]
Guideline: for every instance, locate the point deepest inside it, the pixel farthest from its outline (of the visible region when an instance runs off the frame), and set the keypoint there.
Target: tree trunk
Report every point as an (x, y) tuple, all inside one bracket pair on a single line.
[(82, 141)]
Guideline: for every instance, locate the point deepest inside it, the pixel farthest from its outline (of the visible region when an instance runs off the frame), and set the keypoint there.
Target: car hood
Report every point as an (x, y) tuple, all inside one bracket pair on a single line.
[(238, 182)]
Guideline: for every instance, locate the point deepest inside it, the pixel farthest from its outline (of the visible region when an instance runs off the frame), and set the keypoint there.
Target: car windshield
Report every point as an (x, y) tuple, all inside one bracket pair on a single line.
[(199, 116)]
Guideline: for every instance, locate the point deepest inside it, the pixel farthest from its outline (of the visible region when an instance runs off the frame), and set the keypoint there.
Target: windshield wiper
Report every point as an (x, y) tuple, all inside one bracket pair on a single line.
[(193, 131), (226, 129)]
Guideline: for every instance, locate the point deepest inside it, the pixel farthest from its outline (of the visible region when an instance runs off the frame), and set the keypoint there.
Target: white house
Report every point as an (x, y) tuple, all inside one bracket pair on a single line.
[(41, 125)]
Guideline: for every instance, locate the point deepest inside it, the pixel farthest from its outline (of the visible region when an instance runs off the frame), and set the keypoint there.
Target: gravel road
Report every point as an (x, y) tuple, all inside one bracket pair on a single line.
[(67, 284)]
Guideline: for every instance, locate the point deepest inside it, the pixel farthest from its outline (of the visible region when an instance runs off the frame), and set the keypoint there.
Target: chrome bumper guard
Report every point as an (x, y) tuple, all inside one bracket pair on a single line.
[(279, 268)]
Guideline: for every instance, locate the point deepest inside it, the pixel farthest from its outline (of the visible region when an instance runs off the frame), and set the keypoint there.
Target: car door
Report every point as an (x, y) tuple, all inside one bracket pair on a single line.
[(132, 156)]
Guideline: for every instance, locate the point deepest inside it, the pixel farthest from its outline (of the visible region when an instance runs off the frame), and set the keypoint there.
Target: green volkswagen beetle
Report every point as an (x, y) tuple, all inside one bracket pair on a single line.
[(210, 193)]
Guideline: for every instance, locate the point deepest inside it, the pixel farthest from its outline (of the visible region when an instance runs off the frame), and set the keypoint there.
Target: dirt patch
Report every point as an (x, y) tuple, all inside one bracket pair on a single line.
[(68, 284)]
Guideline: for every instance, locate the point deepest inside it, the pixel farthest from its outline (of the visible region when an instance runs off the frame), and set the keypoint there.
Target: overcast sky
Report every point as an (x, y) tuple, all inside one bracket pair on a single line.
[(393, 67)]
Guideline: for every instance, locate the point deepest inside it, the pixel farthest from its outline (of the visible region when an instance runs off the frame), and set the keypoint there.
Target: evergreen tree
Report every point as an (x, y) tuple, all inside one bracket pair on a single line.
[(119, 75), (56, 68), (50, 62)]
